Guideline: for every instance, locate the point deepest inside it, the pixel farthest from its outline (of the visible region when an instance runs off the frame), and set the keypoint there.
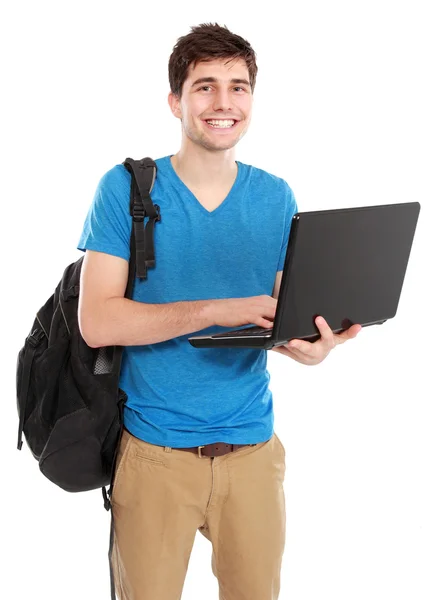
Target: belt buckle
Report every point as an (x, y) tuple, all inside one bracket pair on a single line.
[(199, 451)]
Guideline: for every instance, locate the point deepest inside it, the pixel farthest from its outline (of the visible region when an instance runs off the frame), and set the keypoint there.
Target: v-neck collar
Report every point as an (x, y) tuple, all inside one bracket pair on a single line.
[(188, 192)]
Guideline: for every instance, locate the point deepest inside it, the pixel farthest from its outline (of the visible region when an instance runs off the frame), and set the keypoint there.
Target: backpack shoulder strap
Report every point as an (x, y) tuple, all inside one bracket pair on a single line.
[(143, 175)]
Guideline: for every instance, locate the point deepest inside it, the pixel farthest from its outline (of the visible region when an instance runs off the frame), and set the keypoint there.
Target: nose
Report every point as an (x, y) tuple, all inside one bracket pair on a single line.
[(222, 100)]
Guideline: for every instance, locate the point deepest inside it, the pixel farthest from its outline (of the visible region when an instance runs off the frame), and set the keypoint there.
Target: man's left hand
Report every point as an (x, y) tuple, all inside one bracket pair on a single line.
[(312, 353)]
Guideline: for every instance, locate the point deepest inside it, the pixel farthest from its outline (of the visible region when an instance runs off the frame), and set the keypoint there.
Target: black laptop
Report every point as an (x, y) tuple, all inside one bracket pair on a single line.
[(347, 265)]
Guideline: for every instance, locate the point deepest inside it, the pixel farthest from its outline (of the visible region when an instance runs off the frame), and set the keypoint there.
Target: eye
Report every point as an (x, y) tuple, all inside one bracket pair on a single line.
[(208, 87)]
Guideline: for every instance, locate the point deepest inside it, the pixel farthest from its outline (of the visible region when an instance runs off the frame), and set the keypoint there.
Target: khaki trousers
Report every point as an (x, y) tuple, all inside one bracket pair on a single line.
[(162, 497)]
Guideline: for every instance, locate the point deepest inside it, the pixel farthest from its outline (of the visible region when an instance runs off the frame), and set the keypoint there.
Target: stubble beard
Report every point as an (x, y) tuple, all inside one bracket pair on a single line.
[(202, 139)]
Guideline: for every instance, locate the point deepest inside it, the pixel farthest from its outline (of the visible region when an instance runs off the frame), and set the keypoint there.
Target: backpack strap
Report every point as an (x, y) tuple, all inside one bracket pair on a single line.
[(143, 173)]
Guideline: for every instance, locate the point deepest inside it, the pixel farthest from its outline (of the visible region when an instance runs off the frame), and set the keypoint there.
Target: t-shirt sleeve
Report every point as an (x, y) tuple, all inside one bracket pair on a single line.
[(290, 211), (107, 227)]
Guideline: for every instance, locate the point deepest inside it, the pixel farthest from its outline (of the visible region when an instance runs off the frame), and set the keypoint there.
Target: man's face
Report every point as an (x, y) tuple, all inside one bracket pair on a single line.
[(215, 91)]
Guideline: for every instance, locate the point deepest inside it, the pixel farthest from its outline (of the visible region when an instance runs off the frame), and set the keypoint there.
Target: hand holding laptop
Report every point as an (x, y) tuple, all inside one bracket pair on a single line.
[(312, 353)]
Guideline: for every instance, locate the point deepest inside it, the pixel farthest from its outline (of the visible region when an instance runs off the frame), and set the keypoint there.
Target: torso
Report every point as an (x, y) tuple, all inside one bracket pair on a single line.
[(211, 200), (212, 197)]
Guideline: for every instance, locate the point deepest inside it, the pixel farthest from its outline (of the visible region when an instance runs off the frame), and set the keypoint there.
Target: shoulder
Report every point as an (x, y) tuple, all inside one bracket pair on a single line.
[(116, 179), (119, 178), (260, 177)]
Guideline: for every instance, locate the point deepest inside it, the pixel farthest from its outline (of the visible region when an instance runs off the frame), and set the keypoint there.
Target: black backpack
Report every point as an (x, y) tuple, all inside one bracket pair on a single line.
[(70, 406)]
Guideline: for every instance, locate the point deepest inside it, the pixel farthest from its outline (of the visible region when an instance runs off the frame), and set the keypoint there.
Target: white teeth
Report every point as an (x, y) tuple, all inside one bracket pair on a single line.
[(224, 124)]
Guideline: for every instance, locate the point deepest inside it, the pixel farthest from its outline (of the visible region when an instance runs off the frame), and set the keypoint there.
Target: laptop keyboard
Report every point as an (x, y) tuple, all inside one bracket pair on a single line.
[(253, 331)]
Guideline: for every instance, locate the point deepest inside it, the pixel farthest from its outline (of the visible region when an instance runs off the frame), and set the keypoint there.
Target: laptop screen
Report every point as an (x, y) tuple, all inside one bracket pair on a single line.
[(347, 265)]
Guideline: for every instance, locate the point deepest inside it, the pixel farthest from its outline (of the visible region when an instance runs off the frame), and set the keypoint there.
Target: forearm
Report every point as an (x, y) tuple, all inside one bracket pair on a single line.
[(123, 322)]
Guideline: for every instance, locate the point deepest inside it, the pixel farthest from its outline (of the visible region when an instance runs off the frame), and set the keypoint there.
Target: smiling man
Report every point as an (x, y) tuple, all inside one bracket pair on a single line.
[(198, 452), (214, 105)]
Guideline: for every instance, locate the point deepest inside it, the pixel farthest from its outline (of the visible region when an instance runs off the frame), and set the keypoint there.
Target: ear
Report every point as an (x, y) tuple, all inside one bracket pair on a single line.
[(174, 104)]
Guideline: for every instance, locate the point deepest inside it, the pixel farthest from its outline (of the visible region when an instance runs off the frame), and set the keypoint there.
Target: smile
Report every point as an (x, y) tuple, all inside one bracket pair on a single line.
[(221, 124)]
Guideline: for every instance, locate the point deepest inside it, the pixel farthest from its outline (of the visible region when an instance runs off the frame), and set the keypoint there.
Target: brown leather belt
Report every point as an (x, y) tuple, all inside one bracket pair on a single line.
[(217, 449)]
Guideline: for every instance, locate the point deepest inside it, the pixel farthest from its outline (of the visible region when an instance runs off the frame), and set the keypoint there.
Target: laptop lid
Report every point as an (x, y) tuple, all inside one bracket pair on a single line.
[(347, 265)]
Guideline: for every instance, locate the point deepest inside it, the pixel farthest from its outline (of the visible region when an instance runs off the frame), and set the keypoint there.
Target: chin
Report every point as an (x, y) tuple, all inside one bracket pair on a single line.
[(219, 144), (219, 147)]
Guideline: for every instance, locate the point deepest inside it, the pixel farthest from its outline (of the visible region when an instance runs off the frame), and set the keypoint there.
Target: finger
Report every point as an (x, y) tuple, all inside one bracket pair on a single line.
[(301, 346), (281, 350), (354, 330), (327, 336), (348, 334), (308, 353), (293, 354)]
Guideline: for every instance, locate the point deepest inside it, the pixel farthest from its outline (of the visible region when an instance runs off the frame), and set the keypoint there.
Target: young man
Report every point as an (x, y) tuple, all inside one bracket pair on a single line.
[(199, 451)]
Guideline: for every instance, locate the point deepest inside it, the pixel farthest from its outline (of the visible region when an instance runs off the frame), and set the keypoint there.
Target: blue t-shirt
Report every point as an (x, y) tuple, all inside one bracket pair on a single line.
[(178, 395)]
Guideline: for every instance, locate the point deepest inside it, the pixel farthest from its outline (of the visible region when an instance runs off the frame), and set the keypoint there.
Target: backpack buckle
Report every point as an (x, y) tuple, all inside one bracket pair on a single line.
[(35, 336), (107, 503), (158, 215), (138, 213)]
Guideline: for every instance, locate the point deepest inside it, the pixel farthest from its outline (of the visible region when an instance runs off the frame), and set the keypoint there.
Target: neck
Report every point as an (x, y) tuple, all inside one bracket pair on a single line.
[(201, 168)]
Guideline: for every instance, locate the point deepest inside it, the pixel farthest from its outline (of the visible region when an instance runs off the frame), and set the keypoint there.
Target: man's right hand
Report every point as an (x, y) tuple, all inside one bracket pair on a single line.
[(234, 312)]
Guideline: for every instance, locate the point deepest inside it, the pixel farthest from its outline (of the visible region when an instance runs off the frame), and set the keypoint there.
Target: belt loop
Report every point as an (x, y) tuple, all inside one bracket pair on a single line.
[(199, 451), (167, 449)]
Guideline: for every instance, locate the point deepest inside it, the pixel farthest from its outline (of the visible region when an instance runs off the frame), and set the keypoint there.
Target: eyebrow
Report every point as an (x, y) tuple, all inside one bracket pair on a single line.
[(214, 80)]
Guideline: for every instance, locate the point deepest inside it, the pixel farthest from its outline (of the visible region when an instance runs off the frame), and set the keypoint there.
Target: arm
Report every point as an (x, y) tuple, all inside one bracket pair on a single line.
[(106, 318)]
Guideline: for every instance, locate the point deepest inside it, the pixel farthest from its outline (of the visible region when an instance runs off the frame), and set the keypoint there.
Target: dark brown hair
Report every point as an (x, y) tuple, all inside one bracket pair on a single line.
[(206, 42)]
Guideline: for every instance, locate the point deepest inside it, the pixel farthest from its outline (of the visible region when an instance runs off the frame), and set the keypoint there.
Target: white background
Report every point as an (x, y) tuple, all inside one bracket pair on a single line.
[(341, 113)]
